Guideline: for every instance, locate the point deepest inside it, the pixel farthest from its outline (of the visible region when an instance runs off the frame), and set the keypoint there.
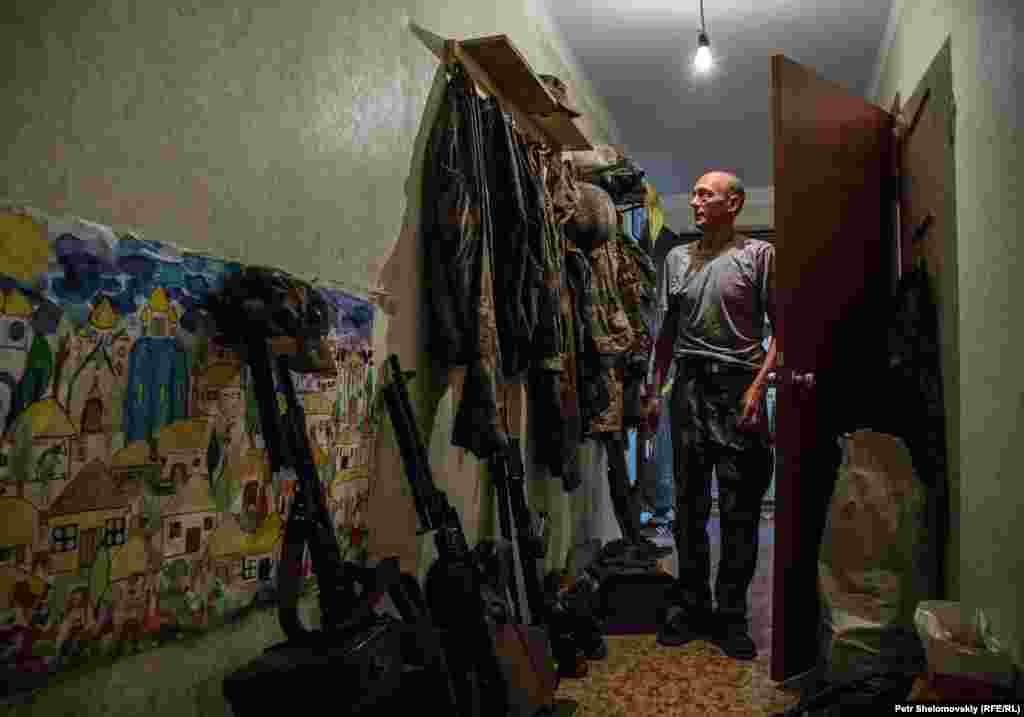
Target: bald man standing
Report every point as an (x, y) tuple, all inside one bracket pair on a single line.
[(716, 294)]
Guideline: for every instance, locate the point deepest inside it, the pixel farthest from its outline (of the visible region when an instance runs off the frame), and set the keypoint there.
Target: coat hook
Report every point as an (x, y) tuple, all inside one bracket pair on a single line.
[(450, 58), (922, 228)]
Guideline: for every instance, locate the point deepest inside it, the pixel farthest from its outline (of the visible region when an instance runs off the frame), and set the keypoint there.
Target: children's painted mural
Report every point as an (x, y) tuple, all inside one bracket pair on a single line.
[(136, 502)]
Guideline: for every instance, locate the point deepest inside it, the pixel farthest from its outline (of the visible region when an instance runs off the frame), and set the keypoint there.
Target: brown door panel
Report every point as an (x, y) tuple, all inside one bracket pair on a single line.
[(833, 227)]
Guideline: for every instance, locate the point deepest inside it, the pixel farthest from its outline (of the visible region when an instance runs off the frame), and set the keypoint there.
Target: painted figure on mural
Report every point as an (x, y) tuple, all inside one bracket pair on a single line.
[(18, 639), (76, 626)]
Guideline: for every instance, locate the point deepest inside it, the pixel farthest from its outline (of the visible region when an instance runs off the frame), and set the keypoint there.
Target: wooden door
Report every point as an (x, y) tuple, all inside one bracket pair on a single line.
[(832, 154), (89, 546)]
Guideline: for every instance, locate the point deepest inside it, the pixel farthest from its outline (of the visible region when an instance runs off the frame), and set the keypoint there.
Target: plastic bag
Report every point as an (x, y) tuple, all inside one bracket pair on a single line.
[(875, 562), (962, 644)]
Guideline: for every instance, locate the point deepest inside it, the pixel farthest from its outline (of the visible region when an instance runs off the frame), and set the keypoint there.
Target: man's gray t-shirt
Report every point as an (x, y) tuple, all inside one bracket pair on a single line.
[(719, 304)]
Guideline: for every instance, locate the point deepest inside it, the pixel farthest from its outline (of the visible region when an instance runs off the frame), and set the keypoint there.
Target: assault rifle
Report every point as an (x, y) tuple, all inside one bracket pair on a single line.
[(276, 322), (454, 583), (508, 474), (498, 668), (574, 636)]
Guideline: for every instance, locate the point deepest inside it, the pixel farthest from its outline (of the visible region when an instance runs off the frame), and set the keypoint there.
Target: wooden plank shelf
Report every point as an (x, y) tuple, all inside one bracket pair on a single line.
[(506, 66), (500, 70)]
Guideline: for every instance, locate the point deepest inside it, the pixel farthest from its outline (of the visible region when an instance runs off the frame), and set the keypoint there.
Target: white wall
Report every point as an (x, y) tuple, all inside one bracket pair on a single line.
[(987, 69), (283, 135)]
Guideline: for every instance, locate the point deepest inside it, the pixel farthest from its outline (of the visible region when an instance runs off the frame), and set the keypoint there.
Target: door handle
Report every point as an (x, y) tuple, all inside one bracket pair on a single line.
[(784, 377), (804, 381)]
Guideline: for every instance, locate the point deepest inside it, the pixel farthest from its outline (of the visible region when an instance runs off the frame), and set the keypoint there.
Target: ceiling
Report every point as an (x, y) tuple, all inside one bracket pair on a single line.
[(638, 56)]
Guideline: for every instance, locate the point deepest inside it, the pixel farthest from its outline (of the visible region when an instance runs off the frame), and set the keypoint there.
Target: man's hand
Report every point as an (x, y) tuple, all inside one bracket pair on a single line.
[(650, 404), (752, 413), (651, 410)]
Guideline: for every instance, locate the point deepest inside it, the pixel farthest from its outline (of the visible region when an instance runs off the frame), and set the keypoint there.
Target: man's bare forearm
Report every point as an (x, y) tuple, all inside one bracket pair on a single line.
[(663, 352), (768, 366)]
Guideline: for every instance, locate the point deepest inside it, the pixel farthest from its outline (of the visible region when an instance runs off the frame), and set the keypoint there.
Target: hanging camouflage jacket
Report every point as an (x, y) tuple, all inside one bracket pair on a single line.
[(458, 245), (639, 294), (622, 281)]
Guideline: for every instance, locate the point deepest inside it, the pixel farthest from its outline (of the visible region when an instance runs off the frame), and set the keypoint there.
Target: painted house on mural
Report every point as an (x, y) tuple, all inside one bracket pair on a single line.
[(353, 451), (97, 371), (20, 532), (134, 562), (140, 460), (218, 393), (319, 419), (251, 473), (182, 448), (189, 518), (348, 498), (16, 339), (326, 381), (47, 466), (95, 509), (353, 386), (243, 559), (131, 585)]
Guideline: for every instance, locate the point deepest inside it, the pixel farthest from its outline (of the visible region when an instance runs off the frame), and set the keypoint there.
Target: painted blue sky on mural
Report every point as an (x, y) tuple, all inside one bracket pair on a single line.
[(127, 270), (355, 316), (128, 273)]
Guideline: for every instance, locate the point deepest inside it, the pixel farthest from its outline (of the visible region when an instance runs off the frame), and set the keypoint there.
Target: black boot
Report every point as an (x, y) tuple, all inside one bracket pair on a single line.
[(733, 636), (681, 627)]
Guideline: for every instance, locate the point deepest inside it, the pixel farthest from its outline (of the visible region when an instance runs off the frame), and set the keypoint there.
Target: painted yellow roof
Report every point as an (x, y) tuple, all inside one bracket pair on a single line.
[(266, 537), (48, 420), (351, 474), (14, 303), (18, 521), (130, 558), (103, 315), (228, 538), (189, 434), (135, 453), (222, 375), (193, 497), (316, 404), (158, 300)]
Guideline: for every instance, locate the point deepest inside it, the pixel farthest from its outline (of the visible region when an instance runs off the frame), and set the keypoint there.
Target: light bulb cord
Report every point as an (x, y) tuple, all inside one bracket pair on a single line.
[(703, 27)]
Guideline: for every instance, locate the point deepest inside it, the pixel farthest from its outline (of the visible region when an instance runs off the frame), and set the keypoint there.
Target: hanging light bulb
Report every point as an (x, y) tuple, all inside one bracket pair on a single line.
[(702, 61)]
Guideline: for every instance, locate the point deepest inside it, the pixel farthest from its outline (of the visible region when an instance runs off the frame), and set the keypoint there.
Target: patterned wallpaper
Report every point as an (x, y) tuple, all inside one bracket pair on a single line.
[(136, 503)]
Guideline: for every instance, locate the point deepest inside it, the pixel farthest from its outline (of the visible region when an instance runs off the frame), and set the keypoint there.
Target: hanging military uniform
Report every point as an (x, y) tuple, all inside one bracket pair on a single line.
[(458, 247), (620, 338), (623, 281), (554, 397)]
